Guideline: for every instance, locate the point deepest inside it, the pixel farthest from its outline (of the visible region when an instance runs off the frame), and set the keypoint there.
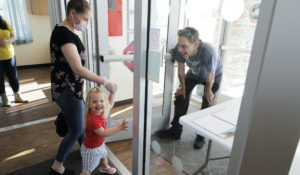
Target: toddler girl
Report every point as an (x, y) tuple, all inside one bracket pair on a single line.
[(93, 148)]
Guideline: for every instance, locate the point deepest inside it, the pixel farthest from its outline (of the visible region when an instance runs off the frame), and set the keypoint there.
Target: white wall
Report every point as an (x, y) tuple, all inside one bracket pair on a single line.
[(118, 72), (37, 52), (268, 127)]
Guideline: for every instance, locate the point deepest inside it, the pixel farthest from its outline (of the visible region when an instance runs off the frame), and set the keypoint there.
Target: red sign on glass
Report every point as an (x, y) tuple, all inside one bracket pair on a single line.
[(115, 26)]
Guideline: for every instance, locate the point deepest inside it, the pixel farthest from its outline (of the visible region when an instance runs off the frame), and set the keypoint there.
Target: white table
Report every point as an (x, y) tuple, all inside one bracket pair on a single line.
[(226, 112)]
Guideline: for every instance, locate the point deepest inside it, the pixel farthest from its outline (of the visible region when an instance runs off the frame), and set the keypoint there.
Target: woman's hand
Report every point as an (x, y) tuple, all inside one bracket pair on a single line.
[(110, 86), (4, 42)]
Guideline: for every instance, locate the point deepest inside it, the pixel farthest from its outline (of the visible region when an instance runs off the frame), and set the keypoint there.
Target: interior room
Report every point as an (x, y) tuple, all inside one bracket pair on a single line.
[(131, 43)]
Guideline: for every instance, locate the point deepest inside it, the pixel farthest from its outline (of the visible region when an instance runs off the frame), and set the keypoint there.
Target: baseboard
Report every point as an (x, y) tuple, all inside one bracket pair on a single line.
[(123, 102), (34, 65)]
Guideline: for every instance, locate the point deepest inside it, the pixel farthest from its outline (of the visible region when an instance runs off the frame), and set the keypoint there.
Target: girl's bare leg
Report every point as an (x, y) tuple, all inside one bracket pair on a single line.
[(104, 162)]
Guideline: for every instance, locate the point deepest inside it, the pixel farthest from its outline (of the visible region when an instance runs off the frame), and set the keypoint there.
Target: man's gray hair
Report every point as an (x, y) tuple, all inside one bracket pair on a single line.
[(190, 33)]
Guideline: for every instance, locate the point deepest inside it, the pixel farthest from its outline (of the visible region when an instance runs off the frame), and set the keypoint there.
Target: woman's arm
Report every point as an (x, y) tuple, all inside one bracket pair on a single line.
[(111, 100), (12, 37), (71, 54), (5, 42)]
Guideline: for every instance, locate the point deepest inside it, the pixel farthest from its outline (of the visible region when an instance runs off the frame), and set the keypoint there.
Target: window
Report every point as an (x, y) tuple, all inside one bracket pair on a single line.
[(15, 13), (236, 49)]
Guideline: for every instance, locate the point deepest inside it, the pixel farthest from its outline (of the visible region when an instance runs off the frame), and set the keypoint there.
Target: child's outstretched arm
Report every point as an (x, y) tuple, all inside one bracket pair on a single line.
[(111, 131)]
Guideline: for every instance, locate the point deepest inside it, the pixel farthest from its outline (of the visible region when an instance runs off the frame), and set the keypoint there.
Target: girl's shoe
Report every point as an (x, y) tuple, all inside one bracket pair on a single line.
[(5, 101), (18, 99), (108, 170)]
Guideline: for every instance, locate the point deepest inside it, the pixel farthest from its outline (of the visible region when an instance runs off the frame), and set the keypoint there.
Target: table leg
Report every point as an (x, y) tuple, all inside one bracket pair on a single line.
[(206, 159)]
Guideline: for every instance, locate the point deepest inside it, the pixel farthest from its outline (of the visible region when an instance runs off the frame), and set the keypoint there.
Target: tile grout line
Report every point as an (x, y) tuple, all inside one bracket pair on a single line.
[(17, 126)]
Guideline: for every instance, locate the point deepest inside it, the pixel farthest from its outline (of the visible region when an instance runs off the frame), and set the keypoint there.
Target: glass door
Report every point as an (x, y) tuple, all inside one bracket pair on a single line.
[(118, 64), (121, 64), (207, 18), (162, 37)]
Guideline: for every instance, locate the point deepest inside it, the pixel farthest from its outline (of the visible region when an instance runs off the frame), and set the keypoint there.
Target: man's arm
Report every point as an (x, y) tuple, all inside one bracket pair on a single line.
[(181, 77), (209, 95)]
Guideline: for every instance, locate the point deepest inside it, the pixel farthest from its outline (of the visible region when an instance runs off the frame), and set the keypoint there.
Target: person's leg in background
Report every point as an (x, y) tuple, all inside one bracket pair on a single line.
[(72, 109), (12, 75), (199, 140), (4, 98), (181, 107), (9, 67)]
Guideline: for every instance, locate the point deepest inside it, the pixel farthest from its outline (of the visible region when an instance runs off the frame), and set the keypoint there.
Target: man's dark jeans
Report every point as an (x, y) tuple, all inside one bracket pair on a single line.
[(182, 104)]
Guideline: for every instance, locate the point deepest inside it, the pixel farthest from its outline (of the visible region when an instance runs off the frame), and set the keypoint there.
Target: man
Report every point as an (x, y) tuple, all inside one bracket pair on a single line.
[(205, 67)]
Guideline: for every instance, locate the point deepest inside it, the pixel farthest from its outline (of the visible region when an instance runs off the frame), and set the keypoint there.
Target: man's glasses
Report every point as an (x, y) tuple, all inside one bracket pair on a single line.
[(184, 33)]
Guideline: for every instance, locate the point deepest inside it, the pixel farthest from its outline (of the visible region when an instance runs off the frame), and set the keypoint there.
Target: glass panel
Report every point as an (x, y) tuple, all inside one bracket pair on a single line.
[(122, 44), (236, 50), (235, 66), (205, 16), (159, 25), (120, 40), (207, 19), (159, 164)]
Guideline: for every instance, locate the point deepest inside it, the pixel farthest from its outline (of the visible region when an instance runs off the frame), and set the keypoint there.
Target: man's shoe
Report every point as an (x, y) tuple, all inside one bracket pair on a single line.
[(171, 133), (199, 142)]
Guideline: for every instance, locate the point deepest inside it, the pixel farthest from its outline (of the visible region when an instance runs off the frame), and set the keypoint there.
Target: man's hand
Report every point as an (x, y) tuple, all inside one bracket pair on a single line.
[(209, 95), (4, 42), (180, 91)]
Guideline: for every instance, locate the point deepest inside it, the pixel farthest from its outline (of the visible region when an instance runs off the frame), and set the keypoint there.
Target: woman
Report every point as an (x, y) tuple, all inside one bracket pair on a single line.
[(8, 64), (67, 76)]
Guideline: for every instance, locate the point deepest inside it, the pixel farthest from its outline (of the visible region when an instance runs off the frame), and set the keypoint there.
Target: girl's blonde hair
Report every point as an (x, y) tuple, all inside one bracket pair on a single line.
[(96, 90)]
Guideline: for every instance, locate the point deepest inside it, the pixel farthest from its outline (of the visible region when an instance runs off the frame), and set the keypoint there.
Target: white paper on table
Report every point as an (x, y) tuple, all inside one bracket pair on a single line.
[(227, 114), (216, 126)]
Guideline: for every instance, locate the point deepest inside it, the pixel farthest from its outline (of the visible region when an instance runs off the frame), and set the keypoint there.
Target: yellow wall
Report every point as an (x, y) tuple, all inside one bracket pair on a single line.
[(37, 52)]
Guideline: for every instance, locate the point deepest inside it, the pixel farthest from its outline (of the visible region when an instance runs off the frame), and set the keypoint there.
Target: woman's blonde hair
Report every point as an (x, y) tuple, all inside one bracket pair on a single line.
[(96, 90)]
